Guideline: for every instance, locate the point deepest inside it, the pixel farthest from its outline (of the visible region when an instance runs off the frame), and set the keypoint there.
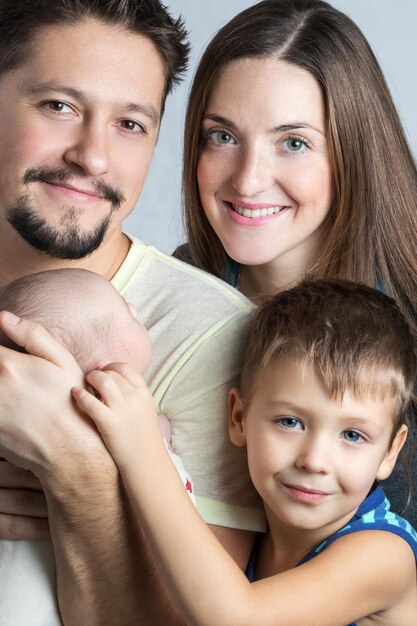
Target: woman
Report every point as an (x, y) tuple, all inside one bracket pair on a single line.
[(296, 162), (366, 234)]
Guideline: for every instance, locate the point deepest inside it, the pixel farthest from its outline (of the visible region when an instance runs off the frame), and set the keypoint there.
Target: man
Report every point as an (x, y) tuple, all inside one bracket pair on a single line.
[(82, 89)]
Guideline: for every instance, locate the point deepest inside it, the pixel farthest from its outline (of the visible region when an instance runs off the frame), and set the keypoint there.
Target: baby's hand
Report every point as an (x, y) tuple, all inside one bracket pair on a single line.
[(125, 414)]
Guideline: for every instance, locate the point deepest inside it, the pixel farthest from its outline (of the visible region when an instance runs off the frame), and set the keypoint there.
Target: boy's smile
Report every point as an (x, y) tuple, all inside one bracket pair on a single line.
[(313, 458)]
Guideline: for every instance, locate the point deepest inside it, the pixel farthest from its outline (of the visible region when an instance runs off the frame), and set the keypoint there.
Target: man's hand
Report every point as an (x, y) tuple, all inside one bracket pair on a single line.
[(23, 511), (39, 423)]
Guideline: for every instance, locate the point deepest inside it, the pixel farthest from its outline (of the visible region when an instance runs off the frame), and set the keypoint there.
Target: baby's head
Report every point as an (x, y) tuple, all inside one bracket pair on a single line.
[(353, 335), (84, 312)]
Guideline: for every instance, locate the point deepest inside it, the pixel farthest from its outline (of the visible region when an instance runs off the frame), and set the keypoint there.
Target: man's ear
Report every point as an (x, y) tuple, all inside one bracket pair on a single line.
[(236, 428), (391, 456)]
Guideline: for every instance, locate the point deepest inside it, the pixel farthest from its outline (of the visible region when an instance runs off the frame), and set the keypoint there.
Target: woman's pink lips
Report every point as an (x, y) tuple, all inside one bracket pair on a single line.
[(308, 496)]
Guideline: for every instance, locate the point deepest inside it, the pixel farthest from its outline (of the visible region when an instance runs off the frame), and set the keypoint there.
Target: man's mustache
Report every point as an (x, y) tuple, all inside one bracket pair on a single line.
[(45, 174)]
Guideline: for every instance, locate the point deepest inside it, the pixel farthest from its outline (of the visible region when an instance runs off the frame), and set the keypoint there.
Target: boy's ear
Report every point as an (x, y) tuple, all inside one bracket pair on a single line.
[(236, 428), (391, 456)]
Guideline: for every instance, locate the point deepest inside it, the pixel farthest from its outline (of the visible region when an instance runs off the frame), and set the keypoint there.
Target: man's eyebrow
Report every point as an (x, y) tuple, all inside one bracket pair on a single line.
[(282, 128), (45, 88), (129, 107), (145, 109)]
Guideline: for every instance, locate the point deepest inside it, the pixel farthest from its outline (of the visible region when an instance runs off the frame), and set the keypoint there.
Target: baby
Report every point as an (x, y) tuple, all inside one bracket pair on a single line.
[(85, 313)]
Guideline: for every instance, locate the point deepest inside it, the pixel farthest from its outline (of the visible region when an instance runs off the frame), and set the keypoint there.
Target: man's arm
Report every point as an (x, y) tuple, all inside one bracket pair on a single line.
[(86, 561), (105, 572), (110, 577), (96, 583)]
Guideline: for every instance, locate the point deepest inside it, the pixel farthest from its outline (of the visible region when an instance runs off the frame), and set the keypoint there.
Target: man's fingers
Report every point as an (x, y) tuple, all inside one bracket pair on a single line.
[(34, 339), (12, 476), (23, 502), (28, 528)]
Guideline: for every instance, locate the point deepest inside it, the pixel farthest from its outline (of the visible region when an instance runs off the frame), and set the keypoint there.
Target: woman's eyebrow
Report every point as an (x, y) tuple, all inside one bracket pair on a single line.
[(281, 128)]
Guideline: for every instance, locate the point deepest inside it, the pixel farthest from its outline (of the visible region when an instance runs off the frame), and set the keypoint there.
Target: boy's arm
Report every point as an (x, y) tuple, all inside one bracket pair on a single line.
[(207, 585)]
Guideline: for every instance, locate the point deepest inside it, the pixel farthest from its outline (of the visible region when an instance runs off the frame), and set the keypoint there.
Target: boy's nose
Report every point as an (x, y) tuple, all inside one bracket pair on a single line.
[(315, 456)]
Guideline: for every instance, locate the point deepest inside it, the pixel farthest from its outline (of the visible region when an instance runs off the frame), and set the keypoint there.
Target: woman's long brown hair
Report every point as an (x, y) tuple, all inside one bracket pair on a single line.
[(372, 223)]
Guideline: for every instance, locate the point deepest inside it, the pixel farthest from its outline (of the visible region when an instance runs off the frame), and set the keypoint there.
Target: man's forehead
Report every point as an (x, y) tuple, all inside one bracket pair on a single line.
[(82, 59)]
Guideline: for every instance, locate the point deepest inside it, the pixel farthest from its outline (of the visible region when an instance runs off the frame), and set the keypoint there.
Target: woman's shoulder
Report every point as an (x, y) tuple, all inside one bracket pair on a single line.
[(229, 273), (183, 254)]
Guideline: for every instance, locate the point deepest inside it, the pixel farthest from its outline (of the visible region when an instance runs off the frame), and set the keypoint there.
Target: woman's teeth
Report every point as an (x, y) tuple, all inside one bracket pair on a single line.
[(256, 212)]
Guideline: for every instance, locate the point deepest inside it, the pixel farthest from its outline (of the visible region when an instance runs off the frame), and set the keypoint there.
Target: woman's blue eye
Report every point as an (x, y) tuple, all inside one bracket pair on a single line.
[(352, 436), (294, 145), (222, 137), (290, 422)]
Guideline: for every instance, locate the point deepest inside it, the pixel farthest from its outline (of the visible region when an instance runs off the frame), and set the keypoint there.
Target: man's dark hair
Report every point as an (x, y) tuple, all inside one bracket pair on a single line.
[(21, 21)]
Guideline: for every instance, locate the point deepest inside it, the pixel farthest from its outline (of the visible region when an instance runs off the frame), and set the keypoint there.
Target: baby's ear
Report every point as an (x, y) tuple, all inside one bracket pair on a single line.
[(236, 429), (391, 456)]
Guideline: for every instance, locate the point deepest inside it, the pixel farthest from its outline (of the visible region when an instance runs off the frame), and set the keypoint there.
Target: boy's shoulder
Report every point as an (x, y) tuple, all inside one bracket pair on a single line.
[(373, 514), (379, 571)]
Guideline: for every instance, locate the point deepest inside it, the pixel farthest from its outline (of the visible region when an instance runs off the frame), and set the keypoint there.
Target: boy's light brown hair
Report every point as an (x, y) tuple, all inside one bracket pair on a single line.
[(354, 335)]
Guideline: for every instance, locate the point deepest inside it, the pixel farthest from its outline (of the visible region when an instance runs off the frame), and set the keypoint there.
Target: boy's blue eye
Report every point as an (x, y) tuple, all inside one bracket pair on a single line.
[(352, 436), (290, 422)]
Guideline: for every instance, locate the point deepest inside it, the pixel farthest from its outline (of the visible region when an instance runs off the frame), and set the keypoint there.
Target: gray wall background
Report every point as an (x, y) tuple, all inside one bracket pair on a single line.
[(391, 30)]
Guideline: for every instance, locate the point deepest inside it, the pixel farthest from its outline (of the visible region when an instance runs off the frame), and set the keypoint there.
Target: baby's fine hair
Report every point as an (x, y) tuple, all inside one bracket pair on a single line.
[(354, 335), (70, 303)]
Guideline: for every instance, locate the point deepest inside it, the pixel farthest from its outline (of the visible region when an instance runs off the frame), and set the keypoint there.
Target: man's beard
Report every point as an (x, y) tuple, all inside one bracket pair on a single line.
[(67, 241)]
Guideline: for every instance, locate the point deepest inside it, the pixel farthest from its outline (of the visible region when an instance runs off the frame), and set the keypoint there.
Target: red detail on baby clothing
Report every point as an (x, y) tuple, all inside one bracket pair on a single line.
[(188, 486)]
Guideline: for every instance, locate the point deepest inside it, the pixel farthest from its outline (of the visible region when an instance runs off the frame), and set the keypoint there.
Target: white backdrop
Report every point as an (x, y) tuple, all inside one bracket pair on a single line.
[(390, 28)]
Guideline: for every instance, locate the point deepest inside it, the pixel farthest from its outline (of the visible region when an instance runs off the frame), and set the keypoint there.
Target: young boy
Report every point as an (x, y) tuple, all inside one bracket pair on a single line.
[(88, 316), (323, 405)]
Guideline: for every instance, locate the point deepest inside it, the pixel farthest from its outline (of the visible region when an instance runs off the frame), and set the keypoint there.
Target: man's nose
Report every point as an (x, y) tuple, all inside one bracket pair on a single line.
[(90, 150)]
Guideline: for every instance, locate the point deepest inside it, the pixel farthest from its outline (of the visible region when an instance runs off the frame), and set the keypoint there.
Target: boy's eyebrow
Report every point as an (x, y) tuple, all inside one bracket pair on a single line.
[(129, 107), (287, 406), (366, 421)]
